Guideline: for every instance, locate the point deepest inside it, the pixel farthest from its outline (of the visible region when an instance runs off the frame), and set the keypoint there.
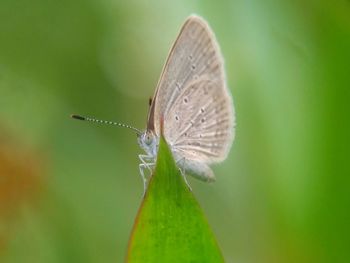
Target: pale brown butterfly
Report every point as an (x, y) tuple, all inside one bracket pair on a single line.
[(194, 104)]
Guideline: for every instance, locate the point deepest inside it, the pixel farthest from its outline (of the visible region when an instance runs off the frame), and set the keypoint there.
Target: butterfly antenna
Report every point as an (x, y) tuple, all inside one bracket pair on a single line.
[(82, 118)]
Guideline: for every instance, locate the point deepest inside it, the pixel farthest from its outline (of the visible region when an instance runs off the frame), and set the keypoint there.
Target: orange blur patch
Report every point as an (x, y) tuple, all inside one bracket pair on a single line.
[(21, 180)]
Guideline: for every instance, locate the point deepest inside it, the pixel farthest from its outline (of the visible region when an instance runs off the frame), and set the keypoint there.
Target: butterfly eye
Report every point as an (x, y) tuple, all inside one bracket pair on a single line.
[(148, 139)]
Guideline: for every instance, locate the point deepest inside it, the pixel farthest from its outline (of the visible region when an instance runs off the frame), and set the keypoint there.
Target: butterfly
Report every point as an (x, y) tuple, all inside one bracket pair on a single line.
[(192, 104)]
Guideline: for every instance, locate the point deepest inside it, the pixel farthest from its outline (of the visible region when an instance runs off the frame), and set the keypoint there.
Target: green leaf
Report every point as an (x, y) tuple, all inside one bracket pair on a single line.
[(170, 225)]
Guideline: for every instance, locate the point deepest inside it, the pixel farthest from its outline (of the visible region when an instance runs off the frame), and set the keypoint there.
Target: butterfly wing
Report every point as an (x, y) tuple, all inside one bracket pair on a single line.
[(200, 123), (194, 72)]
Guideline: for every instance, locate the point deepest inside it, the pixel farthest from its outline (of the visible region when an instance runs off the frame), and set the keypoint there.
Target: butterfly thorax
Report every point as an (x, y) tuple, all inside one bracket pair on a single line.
[(149, 141)]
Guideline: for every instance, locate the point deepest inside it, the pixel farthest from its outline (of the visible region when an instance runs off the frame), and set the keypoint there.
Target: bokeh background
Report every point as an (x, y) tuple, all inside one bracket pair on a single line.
[(69, 191)]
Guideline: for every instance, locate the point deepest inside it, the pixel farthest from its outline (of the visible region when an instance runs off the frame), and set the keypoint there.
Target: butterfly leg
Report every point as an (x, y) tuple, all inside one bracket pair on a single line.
[(146, 163), (182, 168), (142, 168)]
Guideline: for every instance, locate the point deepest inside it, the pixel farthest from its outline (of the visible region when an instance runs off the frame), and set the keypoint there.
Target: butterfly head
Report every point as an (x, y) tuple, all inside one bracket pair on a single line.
[(148, 141)]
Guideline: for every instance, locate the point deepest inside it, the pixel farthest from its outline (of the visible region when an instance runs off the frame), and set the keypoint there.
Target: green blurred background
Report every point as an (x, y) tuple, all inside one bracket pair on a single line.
[(69, 191)]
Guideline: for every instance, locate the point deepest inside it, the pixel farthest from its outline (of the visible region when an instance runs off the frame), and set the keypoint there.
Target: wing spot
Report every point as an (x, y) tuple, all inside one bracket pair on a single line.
[(202, 110), (193, 67), (176, 117), (185, 100)]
